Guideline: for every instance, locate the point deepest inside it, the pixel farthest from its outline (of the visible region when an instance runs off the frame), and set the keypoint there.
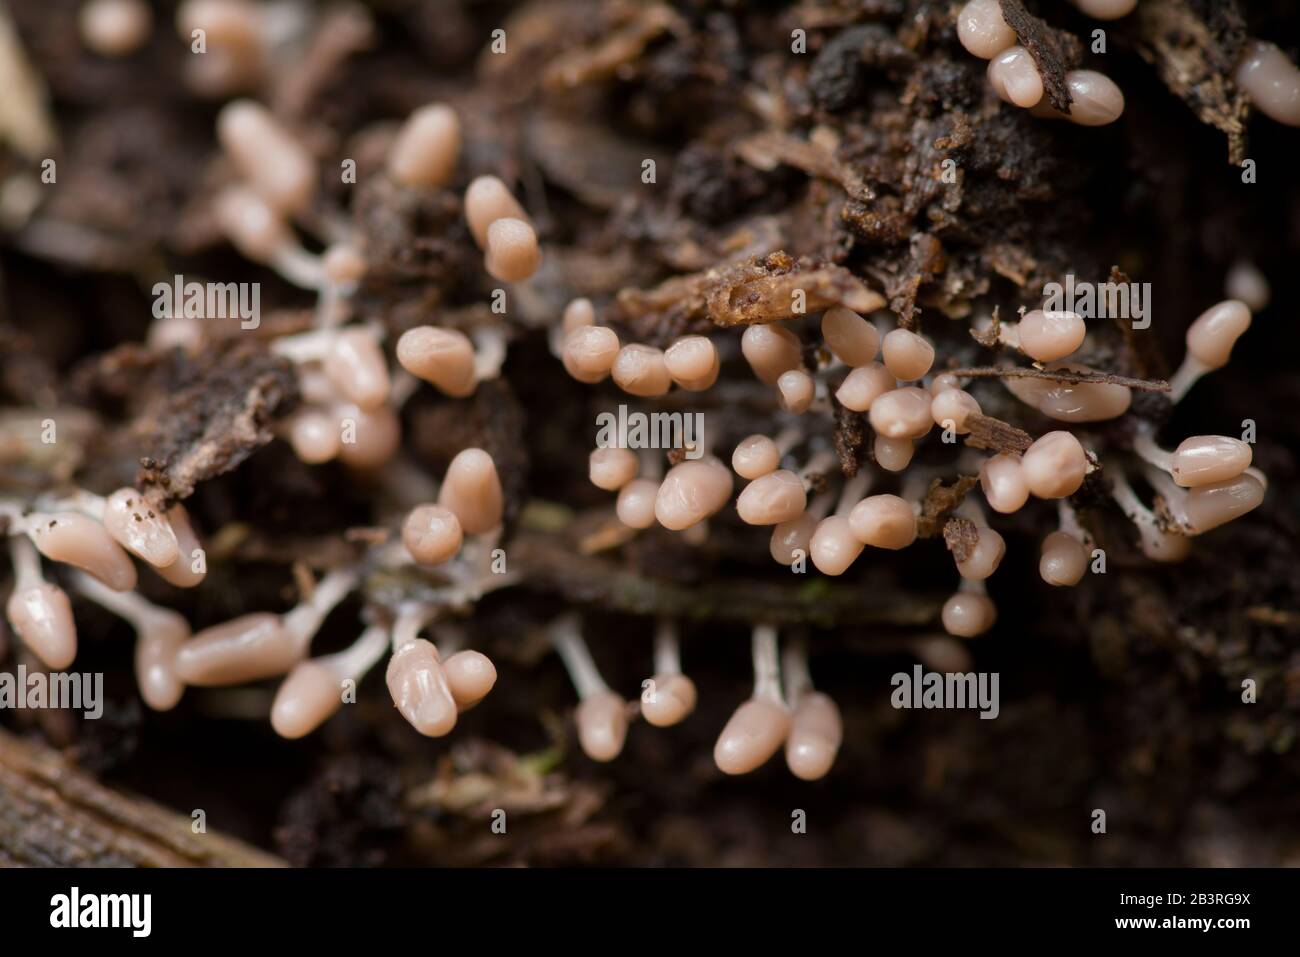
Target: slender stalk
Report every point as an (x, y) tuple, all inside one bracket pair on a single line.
[(767, 665), (566, 636), (668, 660)]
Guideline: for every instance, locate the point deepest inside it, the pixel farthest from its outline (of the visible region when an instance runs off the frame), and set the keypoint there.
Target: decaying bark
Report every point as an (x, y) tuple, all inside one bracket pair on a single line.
[(53, 815)]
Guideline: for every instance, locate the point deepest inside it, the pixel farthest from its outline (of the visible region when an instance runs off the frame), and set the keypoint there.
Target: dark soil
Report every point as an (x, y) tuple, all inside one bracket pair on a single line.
[(1123, 694)]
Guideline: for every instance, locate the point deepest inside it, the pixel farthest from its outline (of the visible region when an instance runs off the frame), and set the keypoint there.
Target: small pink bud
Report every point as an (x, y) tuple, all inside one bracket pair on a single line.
[(815, 735), (472, 490), (602, 725), (669, 700), (772, 499), (967, 614), (754, 733), (41, 616), (419, 688), (84, 543)]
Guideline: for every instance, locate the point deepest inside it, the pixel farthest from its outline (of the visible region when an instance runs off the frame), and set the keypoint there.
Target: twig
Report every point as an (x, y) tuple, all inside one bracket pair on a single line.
[(1060, 375)]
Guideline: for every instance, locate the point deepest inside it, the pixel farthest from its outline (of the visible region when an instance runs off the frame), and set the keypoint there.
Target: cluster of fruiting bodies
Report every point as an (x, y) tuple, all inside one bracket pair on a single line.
[(865, 363)]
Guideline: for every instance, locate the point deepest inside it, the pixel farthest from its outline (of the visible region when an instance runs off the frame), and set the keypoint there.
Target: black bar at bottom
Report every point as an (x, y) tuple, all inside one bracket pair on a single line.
[(332, 908)]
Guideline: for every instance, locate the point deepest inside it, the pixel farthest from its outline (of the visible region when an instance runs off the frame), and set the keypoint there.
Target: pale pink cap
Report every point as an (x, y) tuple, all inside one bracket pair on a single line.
[(305, 700), (756, 455), (159, 639), (772, 498), (1271, 81), (115, 28), (1003, 482), (967, 614), (1206, 459), (907, 356), (271, 159), (941, 653), (852, 339), (1106, 9), (669, 701), (635, 507), (314, 435), (770, 351), (378, 435), (1209, 506), (789, 537), (892, 455), (753, 734), (472, 489), (234, 60), (512, 254), (589, 353), (1015, 78), (602, 725), (693, 363), (1054, 466), (419, 688), (816, 732), (985, 557), (82, 542), (470, 676), (1211, 337), (1096, 100), (902, 414), (249, 222), (225, 21), (981, 29), (640, 370), (863, 386), (1163, 546), (248, 648), (442, 357), (140, 528), (1072, 402), (952, 406), (611, 469), (343, 263), (578, 313), (181, 572), (1244, 281), (834, 547), (432, 534), (943, 382), (692, 491), (884, 521), (356, 366), (487, 199), (1047, 336), (426, 148), (225, 70), (41, 615), (1063, 559), (797, 390)]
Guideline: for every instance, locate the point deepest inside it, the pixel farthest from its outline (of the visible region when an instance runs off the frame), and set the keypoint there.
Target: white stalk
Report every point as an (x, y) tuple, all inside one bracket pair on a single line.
[(668, 659), (305, 619), (794, 669), (566, 636), (853, 492), (1147, 449), (26, 562), (767, 665)]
